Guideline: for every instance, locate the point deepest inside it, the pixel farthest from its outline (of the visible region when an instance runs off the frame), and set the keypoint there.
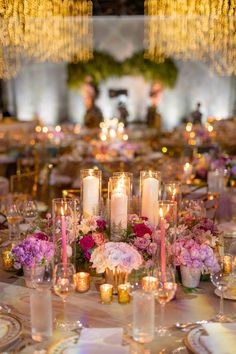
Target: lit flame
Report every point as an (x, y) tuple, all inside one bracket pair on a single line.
[(161, 213)]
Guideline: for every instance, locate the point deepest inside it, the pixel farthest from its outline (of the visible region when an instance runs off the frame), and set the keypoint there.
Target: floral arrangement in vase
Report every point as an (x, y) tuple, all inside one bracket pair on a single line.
[(116, 255), (195, 248), (34, 250), (94, 233)]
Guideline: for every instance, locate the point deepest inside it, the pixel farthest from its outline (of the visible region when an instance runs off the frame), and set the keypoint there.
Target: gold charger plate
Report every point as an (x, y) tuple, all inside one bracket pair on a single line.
[(193, 341), (10, 330)]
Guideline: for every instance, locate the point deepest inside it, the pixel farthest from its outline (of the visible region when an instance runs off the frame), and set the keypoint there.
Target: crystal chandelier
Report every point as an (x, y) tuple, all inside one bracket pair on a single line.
[(203, 30), (47, 30)]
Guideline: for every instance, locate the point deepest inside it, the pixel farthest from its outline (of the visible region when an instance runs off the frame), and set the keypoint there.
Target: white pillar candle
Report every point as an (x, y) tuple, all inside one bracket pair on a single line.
[(119, 208), (150, 192), (90, 196)]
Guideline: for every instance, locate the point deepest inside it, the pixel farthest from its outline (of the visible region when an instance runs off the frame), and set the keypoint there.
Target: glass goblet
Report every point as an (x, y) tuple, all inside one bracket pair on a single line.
[(14, 218), (221, 281), (64, 286), (165, 291), (30, 212)]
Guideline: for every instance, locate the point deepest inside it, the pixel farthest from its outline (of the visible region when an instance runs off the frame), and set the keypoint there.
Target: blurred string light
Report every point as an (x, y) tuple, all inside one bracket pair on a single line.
[(47, 30), (203, 30)]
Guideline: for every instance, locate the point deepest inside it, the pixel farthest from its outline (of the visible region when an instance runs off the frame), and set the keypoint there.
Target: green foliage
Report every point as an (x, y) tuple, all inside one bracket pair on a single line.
[(165, 72), (103, 66)]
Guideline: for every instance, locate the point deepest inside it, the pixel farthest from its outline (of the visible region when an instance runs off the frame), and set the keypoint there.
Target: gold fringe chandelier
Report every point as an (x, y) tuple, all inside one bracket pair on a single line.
[(203, 30), (47, 30)]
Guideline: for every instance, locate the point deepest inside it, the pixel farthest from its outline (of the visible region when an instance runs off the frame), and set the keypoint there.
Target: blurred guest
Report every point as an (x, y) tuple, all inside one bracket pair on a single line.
[(123, 112), (197, 115), (93, 115), (153, 117)]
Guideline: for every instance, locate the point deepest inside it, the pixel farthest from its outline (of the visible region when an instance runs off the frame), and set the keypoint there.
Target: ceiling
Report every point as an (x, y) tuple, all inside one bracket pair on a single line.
[(118, 7)]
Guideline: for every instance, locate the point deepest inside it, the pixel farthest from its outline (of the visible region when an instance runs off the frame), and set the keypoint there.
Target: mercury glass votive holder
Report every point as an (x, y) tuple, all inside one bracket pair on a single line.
[(227, 263), (7, 260), (149, 283), (82, 282), (106, 293), (124, 293)]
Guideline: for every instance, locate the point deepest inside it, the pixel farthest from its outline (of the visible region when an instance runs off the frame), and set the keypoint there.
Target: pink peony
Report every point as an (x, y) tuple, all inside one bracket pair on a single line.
[(141, 243), (141, 229), (87, 242), (101, 224), (40, 235), (98, 238), (152, 249)]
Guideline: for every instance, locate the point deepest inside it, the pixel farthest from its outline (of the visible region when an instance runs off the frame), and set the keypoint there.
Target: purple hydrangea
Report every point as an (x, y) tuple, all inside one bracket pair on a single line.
[(32, 251)]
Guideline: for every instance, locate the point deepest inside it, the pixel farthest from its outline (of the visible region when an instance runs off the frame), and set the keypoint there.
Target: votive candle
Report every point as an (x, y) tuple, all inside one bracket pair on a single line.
[(82, 282), (149, 283), (7, 260), (106, 293), (123, 293)]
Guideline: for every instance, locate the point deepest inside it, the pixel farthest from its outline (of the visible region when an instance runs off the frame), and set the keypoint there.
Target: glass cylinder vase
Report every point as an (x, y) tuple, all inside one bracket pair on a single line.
[(90, 181), (150, 182), (64, 229), (119, 200), (172, 191)]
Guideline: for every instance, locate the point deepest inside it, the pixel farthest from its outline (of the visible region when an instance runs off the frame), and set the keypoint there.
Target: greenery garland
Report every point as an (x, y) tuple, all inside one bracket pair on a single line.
[(104, 66)]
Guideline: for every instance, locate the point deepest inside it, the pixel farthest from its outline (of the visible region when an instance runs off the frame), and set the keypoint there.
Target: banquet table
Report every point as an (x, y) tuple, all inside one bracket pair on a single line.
[(201, 304)]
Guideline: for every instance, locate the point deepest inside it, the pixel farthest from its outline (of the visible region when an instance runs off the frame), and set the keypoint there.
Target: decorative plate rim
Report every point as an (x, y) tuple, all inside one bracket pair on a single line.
[(192, 341), (54, 346), (13, 337)]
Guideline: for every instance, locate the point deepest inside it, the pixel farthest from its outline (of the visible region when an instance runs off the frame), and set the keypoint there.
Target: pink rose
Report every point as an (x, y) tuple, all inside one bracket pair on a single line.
[(141, 229), (98, 238), (87, 242)]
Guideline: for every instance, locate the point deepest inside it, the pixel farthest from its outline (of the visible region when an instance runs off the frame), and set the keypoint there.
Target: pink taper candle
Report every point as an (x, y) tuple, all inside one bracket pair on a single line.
[(163, 246), (63, 238)]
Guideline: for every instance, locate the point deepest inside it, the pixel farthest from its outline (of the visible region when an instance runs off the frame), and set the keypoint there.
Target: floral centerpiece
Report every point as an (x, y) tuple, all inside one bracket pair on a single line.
[(137, 247), (33, 253), (195, 248), (93, 232), (34, 250)]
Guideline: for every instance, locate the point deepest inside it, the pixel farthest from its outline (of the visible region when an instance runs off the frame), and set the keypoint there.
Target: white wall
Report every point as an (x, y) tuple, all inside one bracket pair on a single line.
[(42, 88)]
